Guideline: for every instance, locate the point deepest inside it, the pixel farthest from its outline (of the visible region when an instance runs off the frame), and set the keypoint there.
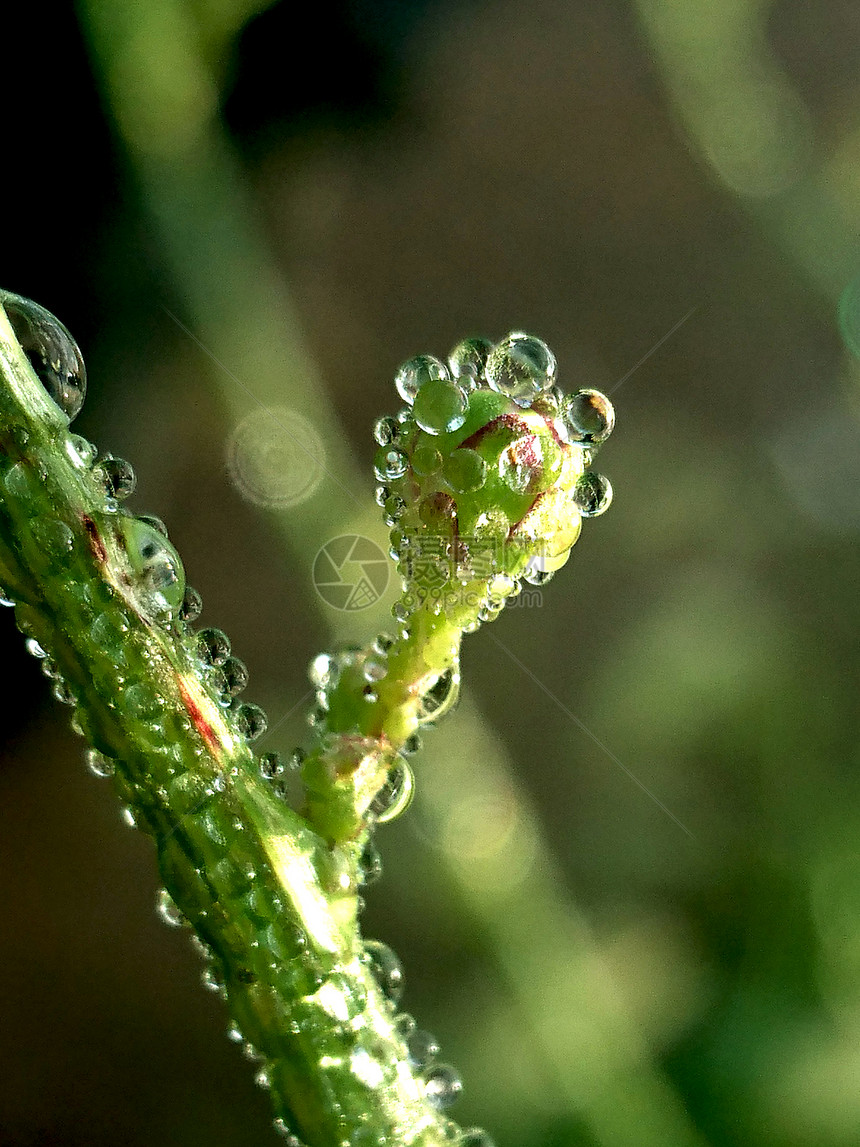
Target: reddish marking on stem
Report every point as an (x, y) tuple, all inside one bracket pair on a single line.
[(553, 429), (517, 525), (96, 543), (503, 420), (525, 451), (196, 714)]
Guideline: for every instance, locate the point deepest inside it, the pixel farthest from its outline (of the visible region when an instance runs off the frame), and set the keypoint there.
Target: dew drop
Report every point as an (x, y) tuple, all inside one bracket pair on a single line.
[(530, 464), (386, 968), (22, 481), (251, 721), (501, 587), (521, 366), (213, 646), (234, 1033), (548, 402), (404, 1025), (156, 523), (316, 717), (423, 1048), (158, 574), (440, 406), (390, 463), (382, 494), (370, 695), (63, 693), (51, 350), (469, 357), (395, 796), (412, 745), (442, 1086), (535, 576), (592, 494), (413, 374), (34, 648), (81, 451), (166, 908), (323, 671), (465, 470), (297, 759), (438, 511), (441, 697), (394, 507), (192, 605), (407, 428), (588, 417), (400, 611), (271, 766), (426, 460), (233, 677), (128, 816), (282, 1128), (385, 430), (212, 978), (369, 865), (98, 764), (55, 539), (383, 642), (117, 476), (374, 669)]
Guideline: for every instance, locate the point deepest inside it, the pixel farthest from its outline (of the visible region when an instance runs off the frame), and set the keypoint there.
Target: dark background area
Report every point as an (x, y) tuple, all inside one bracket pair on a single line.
[(420, 172)]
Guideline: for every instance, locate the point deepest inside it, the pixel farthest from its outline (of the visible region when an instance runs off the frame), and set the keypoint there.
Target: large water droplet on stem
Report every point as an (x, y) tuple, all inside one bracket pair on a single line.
[(158, 577), (51, 350)]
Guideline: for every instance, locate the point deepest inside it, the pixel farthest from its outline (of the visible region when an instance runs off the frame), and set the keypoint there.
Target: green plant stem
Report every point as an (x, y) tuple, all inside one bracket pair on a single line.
[(364, 735), (247, 872)]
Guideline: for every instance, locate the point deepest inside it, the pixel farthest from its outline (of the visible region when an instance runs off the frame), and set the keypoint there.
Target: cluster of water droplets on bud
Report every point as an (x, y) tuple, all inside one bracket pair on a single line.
[(488, 455)]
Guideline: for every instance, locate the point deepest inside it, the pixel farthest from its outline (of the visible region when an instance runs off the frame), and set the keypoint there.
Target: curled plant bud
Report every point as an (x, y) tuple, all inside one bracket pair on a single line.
[(485, 482), (488, 478)]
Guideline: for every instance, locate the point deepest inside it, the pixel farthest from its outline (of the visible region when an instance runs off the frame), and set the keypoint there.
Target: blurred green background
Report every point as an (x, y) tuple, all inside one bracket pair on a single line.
[(628, 894)]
